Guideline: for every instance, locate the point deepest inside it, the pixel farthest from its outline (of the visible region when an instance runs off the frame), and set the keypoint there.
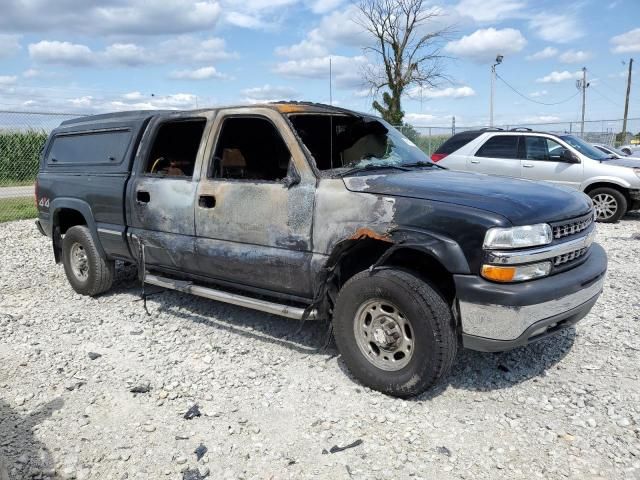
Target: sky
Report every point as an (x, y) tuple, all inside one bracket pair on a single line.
[(89, 56)]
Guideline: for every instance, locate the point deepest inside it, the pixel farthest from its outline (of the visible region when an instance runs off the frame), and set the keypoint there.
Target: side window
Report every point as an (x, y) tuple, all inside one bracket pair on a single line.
[(500, 146), (107, 147), (175, 148), (541, 148), (250, 148), (555, 150)]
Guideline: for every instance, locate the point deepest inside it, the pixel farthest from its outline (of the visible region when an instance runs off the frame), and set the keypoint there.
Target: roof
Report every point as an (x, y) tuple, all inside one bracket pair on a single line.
[(284, 107)]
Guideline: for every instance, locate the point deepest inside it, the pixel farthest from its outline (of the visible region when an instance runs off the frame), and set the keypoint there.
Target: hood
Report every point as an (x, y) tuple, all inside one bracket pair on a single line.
[(624, 162), (522, 202)]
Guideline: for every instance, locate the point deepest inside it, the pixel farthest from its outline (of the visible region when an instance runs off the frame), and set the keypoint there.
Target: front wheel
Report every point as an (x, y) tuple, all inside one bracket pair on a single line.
[(610, 204), (394, 331)]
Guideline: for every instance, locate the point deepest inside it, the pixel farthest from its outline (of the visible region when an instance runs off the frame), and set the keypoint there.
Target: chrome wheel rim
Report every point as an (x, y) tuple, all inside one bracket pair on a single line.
[(606, 206), (384, 334), (79, 261)]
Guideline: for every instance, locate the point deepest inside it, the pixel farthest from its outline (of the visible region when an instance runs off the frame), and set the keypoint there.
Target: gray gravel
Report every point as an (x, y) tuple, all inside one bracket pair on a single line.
[(271, 400)]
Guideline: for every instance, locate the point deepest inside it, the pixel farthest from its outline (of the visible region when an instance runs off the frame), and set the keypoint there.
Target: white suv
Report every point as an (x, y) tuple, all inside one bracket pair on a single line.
[(612, 184)]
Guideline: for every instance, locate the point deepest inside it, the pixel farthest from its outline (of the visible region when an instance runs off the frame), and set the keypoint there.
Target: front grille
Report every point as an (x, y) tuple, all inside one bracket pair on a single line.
[(568, 257), (573, 226)]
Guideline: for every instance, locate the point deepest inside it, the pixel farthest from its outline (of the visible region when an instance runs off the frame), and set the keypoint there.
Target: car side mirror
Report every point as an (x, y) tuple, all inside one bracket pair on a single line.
[(569, 157), (293, 177)]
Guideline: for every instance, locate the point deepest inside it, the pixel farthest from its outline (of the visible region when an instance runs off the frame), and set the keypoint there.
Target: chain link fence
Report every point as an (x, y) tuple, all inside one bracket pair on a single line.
[(23, 134)]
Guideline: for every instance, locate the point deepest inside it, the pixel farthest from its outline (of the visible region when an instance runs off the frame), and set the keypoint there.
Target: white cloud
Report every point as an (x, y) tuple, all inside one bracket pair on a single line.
[(31, 73), (346, 70), (324, 6), (490, 10), (138, 17), (538, 93), (9, 45), (557, 77), (254, 14), (449, 92), (304, 49), (483, 45), (133, 96), (127, 54), (574, 56), (554, 27), (6, 80), (547, 52), (204, 73), (539, 119), (269, 93), (627, 42), (419, 118), (61, 53)]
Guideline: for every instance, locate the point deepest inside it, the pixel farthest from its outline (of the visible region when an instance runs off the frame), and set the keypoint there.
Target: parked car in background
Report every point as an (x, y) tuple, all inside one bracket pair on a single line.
[(631, 149), (615, 152), (612, 183)]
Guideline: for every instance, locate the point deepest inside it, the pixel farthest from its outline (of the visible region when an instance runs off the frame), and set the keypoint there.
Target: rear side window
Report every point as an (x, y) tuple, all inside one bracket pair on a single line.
[(90, 148), (457, 141), (500, 146)]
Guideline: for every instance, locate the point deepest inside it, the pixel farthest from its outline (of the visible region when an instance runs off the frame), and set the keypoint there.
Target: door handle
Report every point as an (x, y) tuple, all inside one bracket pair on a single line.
[(527, 165), (143, 196), (475, 161), (207, 201)]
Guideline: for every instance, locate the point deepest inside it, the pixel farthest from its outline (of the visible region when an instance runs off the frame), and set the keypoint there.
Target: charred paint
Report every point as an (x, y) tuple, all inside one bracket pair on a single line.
[(365, 232)]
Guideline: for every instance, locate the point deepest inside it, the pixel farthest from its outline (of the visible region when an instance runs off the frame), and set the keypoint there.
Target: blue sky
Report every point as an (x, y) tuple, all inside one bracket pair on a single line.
[(99, 55)]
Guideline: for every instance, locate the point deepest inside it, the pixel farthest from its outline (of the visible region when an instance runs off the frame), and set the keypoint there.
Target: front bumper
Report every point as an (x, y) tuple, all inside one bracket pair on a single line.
[(496, 317)]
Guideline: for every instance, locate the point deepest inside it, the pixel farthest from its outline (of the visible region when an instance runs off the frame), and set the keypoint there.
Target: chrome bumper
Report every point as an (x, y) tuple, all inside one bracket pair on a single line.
[(500, 322)]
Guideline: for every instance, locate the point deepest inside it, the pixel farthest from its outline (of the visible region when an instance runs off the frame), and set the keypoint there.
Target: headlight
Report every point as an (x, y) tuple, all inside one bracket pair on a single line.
[(516, 273), (518, 237)]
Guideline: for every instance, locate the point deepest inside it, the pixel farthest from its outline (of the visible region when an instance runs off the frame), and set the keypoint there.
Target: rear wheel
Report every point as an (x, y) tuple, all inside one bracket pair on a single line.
[(610, 204), (88, 272), (394, 331)]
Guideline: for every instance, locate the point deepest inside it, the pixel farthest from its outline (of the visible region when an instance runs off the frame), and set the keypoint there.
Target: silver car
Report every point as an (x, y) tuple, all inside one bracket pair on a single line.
[(612, 184), (616, 152)]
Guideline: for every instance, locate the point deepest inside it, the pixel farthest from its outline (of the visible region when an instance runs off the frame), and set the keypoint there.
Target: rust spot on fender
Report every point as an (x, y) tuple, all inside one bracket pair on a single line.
[(363, 233)]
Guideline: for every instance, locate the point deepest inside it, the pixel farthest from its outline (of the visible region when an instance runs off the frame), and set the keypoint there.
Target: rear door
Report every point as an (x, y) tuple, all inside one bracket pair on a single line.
[(498, 155), (542, 160), (162, 190), (254, 206)]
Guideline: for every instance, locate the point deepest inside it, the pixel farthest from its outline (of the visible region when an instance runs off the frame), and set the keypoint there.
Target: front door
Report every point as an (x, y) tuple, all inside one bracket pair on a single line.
[(542, 160), (162, 190), (254, 205)]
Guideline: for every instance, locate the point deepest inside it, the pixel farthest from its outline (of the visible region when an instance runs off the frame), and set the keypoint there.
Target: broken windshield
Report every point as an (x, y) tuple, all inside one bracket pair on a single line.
[(343, 144)]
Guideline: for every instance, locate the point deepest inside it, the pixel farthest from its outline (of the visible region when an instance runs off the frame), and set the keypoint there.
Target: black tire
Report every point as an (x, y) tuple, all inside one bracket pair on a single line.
[(99, 270), (433, 331), (619, 203)]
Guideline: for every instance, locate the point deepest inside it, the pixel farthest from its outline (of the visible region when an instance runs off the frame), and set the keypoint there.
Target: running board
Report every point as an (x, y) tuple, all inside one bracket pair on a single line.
[(226, 297)]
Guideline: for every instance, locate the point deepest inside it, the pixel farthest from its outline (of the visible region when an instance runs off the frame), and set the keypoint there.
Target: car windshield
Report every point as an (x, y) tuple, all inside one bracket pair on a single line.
[(357, 144), (620, 153), (585, 148)]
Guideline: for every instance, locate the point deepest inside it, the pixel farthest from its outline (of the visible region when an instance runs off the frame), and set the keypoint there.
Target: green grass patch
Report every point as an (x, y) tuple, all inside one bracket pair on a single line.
[(17, 209)]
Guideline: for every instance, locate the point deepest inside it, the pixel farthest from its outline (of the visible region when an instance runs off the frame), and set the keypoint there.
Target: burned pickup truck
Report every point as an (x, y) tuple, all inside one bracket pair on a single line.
[(315, 212)]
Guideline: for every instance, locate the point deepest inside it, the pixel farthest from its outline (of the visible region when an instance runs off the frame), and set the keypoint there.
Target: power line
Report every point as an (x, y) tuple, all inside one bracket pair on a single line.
[(605, 97), (531, 99)]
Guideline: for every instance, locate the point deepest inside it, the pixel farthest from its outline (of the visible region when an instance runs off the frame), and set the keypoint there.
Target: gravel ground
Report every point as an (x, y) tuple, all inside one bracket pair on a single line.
[(272, 400)]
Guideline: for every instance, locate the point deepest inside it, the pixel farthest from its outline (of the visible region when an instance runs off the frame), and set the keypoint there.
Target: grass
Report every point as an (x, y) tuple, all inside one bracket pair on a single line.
[(17, 209)]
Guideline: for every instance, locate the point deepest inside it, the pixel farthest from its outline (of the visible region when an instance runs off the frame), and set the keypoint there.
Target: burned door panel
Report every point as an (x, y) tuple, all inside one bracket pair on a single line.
[(162, 191), (252, 231)]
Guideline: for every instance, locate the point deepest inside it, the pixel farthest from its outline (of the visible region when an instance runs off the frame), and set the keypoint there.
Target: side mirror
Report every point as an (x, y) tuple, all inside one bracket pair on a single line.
[(293, 177), (569, 157)]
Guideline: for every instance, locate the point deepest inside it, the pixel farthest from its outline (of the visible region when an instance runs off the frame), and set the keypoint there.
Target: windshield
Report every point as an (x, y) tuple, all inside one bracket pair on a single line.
[(341, 143), (584, 148), (620, 153)]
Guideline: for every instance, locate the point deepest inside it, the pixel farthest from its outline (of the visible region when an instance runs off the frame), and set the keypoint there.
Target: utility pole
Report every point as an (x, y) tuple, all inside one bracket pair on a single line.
[(493, 87), (582, 85), (626, 103)]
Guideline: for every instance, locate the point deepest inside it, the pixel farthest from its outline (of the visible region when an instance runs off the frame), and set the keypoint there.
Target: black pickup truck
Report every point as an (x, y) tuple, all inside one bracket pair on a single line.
[(315, 212)]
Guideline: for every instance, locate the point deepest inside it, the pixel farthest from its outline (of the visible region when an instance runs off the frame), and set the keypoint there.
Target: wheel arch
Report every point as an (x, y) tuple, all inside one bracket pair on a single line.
[(609, 184), (67, 213)]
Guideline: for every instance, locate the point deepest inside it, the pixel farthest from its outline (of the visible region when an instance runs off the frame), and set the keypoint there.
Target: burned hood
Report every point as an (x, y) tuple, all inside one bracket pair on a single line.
[(522, 202)]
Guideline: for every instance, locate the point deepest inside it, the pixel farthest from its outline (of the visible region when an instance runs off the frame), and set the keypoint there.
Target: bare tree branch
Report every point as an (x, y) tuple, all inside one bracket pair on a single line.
[(408, 44)]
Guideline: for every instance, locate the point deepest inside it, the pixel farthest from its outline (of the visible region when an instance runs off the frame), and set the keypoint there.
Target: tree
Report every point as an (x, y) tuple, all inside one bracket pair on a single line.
[(408, 44)]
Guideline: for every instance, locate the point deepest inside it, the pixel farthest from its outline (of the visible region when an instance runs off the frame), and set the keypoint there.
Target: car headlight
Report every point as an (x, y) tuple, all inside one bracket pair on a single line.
[(518, 237), (516, 273)]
